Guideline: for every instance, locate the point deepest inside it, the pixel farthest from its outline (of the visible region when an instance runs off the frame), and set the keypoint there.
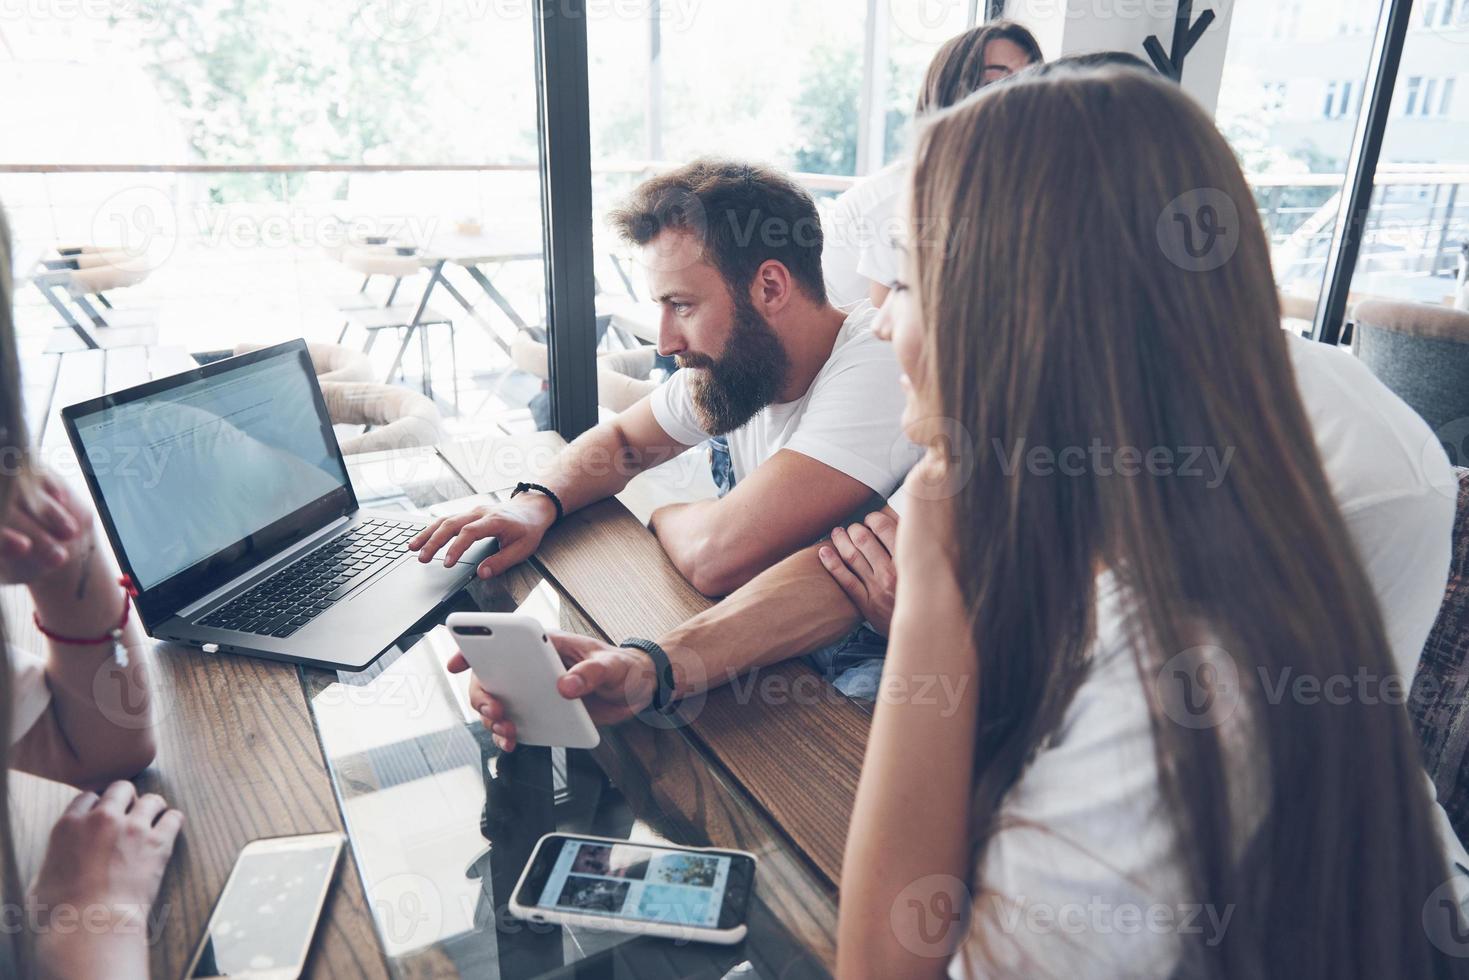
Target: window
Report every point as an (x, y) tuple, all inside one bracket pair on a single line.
[(1295, 157), (1418, 221), (1410, 101), (332, 132), (1338, 99)]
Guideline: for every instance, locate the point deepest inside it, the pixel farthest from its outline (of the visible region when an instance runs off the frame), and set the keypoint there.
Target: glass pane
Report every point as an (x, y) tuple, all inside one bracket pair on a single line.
[(1416, 231), (256, 172), (442, 824), (1288, 103)]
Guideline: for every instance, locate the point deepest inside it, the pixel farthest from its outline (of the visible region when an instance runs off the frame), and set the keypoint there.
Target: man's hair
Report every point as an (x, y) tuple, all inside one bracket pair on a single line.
[(1093, 59), (957, 69), (744, 214)]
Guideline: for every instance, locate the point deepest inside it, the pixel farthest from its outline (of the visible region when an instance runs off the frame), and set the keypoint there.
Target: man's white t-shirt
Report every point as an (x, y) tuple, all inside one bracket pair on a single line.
[(850, 418), (861, 236), (1085, 833)]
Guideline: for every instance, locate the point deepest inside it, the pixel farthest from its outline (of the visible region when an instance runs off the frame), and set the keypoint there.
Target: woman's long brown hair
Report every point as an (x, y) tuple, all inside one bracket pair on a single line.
[(1055, 317), (957, 68), (12, 444)]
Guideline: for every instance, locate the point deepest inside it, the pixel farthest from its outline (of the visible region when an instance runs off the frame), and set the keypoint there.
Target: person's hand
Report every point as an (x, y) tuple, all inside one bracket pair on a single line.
[(614, 683), (107, 853), (44, 531), (519, 525), (860, 559), (927, 554)]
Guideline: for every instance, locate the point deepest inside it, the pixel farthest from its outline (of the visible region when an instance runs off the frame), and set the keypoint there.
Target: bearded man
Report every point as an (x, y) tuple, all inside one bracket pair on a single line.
[(806, 398)]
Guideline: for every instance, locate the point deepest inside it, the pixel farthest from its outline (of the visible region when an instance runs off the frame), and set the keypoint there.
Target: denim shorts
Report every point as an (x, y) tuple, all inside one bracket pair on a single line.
[(721, 467), (853, 664)]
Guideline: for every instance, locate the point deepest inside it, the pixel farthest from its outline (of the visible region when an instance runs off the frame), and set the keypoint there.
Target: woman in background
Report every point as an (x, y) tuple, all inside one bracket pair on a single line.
[(1118, 787), (86, 914), (859, 259)]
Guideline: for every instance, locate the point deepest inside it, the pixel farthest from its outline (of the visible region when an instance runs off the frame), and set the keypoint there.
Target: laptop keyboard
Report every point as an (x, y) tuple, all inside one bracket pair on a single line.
[(298, 593)]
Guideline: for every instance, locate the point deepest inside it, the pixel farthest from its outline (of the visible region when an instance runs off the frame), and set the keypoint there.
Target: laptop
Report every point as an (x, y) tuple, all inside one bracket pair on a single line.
[(225, 497)]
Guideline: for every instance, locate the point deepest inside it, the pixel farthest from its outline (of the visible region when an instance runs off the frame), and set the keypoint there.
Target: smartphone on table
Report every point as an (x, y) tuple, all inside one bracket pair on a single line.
[(262, 925), (512, 656), (697, 894)]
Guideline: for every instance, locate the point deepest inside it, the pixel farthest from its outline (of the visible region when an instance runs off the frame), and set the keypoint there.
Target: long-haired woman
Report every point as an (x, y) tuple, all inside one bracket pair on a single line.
[(1094, 755), (858, 259), (86, 914)]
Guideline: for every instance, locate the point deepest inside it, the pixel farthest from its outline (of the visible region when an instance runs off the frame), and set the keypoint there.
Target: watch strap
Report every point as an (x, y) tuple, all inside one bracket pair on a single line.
[(663, 695)]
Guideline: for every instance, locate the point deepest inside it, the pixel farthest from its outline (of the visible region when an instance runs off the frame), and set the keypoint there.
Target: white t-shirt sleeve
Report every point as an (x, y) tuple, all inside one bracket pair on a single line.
[(854, 420), (673, 409), (30, 697)]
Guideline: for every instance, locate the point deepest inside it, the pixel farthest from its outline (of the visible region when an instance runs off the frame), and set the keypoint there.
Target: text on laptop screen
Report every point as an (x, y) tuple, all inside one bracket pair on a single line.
[(190, 471)]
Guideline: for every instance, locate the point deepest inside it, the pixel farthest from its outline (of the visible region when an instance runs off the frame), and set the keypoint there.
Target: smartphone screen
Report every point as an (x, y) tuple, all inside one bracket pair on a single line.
[(267, 913), (640, 881)]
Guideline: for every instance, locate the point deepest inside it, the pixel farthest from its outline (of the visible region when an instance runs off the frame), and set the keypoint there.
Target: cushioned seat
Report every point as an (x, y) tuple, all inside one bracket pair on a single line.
[(1419, 351), (331, 362), (1440, 700), (399, 418)]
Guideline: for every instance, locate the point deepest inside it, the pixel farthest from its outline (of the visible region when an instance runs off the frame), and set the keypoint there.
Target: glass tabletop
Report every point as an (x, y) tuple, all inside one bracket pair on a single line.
[(441, 823)]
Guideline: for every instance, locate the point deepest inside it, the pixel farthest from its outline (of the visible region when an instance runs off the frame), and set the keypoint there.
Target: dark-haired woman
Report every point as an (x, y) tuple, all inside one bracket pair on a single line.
[(86, 914), (860, 260), (1124, 774)]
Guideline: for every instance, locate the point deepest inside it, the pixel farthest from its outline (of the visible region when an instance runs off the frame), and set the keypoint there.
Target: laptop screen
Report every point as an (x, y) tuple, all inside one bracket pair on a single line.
[(197, 468)]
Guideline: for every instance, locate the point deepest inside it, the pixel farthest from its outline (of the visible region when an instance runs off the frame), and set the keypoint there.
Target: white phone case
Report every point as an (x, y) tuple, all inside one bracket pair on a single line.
[(640, 927), (518, 665)]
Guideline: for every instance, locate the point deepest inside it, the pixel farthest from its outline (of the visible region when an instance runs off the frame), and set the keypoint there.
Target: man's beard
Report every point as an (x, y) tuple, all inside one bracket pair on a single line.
[(747, 376)]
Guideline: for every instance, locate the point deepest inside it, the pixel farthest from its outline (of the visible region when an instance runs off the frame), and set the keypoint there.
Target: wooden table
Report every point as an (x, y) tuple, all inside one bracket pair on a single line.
[(769, 767)]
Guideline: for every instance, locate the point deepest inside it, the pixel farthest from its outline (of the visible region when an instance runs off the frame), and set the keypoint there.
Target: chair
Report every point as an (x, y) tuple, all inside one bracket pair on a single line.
[(622, 375), (1439, 702), (402, 318), (1419, 351), (331, 362), (396, 417)]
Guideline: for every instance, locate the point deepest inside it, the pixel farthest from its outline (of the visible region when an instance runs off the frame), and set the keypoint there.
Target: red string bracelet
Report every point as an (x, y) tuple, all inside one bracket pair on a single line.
[(113, 636)]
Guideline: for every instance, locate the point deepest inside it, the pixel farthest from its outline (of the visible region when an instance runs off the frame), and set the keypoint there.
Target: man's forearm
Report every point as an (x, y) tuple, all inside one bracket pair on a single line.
[(792, 608), (600, 462)]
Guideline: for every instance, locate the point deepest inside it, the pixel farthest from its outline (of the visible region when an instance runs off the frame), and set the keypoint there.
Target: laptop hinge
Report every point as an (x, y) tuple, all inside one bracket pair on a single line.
[(265, 569)]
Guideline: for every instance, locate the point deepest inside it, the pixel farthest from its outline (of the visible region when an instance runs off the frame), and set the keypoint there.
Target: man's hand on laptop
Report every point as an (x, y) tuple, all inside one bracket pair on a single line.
[(615, 683), (518, 524), (44, 531)]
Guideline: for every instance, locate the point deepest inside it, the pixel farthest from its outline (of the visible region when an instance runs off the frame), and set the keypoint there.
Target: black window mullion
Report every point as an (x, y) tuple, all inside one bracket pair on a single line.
[(1356, 195), (563, 115)]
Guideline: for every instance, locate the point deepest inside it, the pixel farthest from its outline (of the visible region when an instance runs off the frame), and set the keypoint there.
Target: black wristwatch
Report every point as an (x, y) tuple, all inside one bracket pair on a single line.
[(662, 670)]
